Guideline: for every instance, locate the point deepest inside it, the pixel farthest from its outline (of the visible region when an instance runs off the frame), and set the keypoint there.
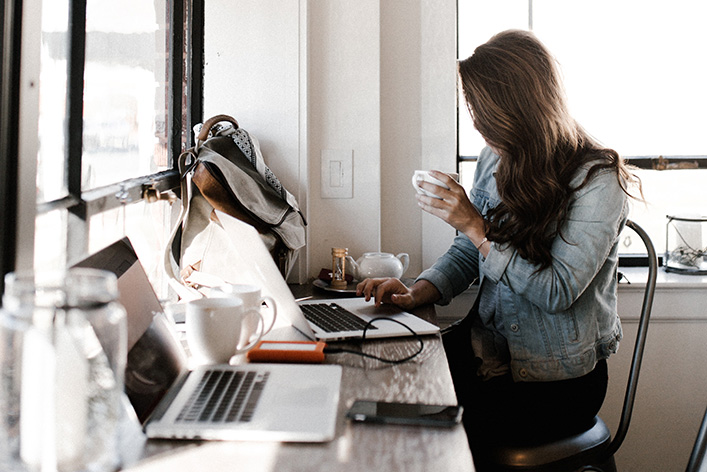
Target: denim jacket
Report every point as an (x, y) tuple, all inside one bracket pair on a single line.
[(561, 320)]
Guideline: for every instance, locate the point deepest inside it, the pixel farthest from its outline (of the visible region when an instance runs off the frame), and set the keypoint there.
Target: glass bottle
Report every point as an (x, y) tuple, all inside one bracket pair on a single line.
[(63, 351)]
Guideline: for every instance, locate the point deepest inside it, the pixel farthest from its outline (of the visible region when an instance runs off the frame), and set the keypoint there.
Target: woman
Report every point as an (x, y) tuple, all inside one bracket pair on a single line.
[(540, 231)]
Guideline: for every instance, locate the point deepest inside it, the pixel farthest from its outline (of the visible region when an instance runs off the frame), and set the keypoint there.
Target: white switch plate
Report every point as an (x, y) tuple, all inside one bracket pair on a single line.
[(337, 173)]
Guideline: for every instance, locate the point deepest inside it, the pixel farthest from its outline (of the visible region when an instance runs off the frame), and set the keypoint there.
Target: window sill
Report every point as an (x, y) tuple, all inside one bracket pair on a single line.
[(664, 280), (678, 297)]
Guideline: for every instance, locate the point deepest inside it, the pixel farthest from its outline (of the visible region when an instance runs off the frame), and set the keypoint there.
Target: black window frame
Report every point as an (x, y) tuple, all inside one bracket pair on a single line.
[(10, 41), (658, 163), (186, 64)]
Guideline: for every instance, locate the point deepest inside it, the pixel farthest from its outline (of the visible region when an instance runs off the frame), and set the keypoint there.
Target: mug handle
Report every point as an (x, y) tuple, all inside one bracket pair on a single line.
[(259, 333), (271, 304)]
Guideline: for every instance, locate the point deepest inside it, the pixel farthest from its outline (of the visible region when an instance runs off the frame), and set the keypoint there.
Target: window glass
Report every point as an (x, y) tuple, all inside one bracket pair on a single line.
[(634, 70), (669, 192), (125, 96), (125, 125), (147, 225), (466, 173), (478, 21), (51, 157), (634, 73)]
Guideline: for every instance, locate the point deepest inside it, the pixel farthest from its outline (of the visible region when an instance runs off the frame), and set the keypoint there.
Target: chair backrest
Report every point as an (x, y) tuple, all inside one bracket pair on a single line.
[(646, 308), (697, 461)]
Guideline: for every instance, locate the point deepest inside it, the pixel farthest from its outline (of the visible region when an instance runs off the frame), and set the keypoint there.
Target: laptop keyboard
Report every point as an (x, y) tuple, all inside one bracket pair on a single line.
[(332, 318), (224, 396)]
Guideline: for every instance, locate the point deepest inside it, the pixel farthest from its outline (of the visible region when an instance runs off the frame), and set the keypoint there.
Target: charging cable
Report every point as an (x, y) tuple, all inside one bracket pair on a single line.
[(336, 350)]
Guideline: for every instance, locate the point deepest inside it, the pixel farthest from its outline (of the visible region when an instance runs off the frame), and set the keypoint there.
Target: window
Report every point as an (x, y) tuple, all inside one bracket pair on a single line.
[(120, 83), (124, 93), (634, 74)]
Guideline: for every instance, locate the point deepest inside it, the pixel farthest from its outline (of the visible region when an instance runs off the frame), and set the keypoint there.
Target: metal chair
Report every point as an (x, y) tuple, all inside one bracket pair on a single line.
[(697, 462), (594, 448)]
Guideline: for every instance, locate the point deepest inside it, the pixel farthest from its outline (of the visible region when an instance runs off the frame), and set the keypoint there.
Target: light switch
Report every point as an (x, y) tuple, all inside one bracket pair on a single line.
[(337, 173), (335, 177)]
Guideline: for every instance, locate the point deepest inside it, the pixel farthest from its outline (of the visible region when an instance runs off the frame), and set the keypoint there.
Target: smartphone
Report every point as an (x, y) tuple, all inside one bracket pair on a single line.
[(367, 411)]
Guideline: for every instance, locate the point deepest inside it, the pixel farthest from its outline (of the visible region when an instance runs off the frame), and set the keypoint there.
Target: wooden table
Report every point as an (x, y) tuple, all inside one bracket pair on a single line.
[(356, 447)]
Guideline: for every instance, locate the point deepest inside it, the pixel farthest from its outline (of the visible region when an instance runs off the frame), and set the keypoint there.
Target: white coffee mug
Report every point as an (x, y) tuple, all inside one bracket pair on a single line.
[(252, 300), (215, 327), (424, 175)]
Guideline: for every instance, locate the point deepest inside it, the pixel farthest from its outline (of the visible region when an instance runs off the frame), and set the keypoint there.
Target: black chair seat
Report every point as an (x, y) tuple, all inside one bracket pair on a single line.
[(564, 454)]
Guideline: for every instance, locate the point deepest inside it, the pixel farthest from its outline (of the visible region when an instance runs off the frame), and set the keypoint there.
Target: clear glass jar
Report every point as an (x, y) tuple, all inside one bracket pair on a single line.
[(686, 245), (338, 267), (63, 351)]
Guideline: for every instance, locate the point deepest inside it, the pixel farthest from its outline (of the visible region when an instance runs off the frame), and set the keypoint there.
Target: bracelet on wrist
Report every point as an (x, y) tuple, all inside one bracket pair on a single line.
[(483, 241)]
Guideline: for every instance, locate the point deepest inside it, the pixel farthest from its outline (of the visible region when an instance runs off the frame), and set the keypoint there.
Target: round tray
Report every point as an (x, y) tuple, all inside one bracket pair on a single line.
[(349, 290)]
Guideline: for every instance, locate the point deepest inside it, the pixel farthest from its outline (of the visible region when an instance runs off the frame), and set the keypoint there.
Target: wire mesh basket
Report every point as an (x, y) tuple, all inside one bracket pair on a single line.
[(686, 245)]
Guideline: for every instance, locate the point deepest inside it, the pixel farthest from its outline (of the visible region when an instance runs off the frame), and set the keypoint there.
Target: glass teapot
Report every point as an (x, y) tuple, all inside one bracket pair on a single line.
[(378, 264)]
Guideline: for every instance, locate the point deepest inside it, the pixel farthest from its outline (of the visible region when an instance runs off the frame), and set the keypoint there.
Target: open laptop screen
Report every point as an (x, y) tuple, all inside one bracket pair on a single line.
[(155, 356)]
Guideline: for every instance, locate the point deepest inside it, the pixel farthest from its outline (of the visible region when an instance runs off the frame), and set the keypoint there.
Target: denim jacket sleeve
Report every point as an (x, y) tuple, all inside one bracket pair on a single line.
[(454, 271), (587, 238)]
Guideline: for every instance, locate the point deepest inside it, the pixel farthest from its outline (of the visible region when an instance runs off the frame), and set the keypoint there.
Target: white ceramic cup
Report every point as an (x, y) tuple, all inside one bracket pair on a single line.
[(215, 327), (424, 175), (252, 300)]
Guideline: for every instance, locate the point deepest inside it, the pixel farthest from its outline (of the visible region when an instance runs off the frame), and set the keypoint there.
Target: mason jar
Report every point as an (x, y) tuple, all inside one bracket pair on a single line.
[(63, 351)]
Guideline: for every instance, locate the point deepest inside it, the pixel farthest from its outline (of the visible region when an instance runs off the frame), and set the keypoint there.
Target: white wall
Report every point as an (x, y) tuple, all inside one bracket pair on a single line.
[(672, 387), (253, 73), (438, 111), (375, 79), (344, 111), (671, 395)]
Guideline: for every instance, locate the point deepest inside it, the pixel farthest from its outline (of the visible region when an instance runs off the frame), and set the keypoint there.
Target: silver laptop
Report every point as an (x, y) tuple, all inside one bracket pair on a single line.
[(254, 265), (294, 403)]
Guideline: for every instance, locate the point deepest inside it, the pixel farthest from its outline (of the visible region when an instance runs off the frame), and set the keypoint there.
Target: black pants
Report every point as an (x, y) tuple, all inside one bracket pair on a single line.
[(503, 411)]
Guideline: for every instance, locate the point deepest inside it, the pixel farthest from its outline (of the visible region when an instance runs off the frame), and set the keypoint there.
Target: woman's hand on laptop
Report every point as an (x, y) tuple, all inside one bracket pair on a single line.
[(386, 290), (392, 290)]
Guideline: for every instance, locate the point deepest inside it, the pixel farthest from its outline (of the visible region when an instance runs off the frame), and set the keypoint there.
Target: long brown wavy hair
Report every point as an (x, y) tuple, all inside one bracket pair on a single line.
[(516, 100)]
